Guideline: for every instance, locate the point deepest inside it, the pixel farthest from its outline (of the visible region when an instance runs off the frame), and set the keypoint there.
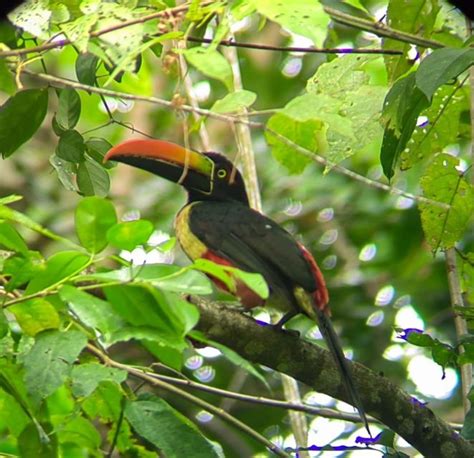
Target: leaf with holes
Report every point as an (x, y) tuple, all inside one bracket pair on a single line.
[(439, 129), (442, 182), (302, 17), (49, 362)]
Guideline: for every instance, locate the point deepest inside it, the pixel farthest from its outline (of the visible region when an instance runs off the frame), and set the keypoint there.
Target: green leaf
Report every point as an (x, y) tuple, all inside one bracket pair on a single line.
[(441, 129), (71, 146), (94, 216), (303, 17), (81, 432), (467, 276), (22, 269), (310, 135), (59, 267), (130, 234), (13, 419), (11, 239), (30, 445), (97, 148), (86, 377), (234, 102), (7, 81), (35, 315), (443, 183), (93, 312), (33, 17), (156, 421), (211, 63), (66, 172), (416, 17), (69, 110), (48, 363), (86, 68), (92, 178), (20, 117), (228, 275), (150, 314), (468, 427), (105, 402), (78, 31), (402, 106), (441, 67)]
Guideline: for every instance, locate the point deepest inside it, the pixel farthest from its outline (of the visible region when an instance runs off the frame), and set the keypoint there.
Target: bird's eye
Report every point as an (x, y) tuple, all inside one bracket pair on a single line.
[(222, 173)]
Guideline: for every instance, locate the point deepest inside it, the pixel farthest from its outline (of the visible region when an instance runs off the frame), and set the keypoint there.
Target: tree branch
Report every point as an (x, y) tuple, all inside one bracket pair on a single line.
[(314, 366), (381, 29)]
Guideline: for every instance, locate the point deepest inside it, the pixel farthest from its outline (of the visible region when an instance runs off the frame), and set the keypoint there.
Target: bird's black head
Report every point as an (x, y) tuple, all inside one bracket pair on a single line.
[(206, 176)]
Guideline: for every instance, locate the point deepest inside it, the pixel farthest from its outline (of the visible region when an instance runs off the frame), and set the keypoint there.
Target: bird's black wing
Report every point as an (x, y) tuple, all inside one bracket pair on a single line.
[(252, 242)]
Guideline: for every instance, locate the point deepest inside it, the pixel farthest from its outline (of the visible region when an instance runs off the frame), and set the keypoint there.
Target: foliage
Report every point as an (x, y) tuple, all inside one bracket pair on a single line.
[(85, 277)]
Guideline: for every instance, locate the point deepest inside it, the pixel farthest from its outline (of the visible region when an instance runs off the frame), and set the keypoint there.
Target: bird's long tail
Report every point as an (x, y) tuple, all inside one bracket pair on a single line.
[(334, 345)]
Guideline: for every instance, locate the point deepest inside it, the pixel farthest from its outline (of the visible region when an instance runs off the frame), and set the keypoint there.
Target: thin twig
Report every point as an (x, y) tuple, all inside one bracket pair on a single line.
[(300, 49), (189, 397), (261, 400), (381, 29), (460, 323)]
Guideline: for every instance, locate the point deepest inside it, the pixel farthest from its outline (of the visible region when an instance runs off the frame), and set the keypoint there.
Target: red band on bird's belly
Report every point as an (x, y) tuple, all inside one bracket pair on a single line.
[(321, 295), (248, 298)]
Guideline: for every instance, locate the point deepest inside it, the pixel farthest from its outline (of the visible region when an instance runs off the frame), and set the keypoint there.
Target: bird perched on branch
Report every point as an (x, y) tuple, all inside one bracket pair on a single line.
[(218, 224)]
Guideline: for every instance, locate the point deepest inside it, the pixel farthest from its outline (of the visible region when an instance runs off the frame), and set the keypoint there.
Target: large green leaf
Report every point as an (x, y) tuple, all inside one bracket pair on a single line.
[(442, 182), (35, 315), (211, 63), (302, 17), (92, 178), (58, 267), (149, 314), (130, 234), (11, 239), (234, 102), (93, 312), (402, 106), (69, 108), (48, 363), (157, 422), (441, 67), (311, 135), (440, 129), (20, 117), (71, 146), (86, 68), (86, 377), (94, 216)]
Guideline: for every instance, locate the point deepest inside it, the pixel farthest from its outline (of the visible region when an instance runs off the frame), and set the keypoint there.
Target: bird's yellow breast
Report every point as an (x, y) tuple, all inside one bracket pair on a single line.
[(191, 245)]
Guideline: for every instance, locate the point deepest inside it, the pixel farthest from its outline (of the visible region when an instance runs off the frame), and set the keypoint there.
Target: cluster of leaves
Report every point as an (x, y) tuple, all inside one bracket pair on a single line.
[(56, 317), (350, 107)]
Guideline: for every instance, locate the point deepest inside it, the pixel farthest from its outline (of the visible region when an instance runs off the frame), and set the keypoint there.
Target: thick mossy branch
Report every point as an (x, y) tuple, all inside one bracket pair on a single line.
[(314, 366)]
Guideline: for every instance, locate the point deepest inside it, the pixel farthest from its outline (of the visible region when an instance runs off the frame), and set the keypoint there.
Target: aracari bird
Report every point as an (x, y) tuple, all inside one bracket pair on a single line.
[(218, 224)]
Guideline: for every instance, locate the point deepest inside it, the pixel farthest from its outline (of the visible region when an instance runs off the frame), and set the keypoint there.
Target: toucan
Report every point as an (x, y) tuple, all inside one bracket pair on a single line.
[(218, 224)]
